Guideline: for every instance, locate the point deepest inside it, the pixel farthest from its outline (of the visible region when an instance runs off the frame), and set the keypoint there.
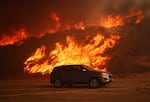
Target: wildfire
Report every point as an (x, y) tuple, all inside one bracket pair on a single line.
[(109, 21), (57, 21), (119, 20), (88, 54), (91, 53), (18, 35), (79, 26)]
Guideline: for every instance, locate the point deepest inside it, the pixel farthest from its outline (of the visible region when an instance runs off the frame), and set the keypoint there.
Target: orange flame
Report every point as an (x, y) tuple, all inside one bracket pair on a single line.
[(110, 21), (57, 20), (89, 54), (35, 59), (17, 37), (139, 19), (119, 20), (79, 26), (39, 54)]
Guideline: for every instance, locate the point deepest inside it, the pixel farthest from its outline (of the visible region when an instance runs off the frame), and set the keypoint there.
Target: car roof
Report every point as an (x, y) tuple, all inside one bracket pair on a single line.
[(68, 65), (73, 65)]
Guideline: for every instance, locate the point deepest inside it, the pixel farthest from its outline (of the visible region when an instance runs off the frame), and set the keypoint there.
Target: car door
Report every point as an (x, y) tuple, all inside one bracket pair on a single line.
[(81, 74), (74, 74), (69, 74)]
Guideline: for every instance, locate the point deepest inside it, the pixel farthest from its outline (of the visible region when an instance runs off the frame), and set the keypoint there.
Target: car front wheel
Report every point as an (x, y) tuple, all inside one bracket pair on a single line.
[(58, 83), (94, 83)]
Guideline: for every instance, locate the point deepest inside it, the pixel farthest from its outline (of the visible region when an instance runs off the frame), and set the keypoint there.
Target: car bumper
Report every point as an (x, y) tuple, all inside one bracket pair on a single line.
[(106, 78)]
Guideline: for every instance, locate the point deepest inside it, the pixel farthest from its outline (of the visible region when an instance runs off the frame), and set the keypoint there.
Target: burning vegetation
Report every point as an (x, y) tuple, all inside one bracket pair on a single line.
[(73, 53), (89, 39), (91, 51), (17, 37)]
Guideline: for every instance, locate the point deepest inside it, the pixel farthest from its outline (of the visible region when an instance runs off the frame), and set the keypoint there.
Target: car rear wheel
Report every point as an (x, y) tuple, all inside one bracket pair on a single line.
[(94, 83), (58, 83)]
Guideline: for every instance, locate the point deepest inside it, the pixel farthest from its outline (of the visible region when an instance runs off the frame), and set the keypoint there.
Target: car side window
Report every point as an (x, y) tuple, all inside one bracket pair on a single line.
[(77, 68), (70, 68), (81, 69), (56, 69), (66, 69)]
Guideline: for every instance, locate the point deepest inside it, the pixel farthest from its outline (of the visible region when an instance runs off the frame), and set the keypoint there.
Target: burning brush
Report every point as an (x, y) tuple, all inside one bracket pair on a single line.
[(91, 51)]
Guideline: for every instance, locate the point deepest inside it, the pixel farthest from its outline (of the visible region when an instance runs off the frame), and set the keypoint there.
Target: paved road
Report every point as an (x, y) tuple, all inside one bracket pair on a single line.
[(121, 90)]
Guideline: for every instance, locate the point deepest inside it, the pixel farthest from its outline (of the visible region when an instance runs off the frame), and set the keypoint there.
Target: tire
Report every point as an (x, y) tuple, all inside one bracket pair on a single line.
[(58, 83), (94, 83)]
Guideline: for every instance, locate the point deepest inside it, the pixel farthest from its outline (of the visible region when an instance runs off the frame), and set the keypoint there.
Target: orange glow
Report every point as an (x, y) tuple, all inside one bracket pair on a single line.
[(17, 37), (80, 25), (39, 54), (57, 21), (111, 21), (36, 58), (139, 19), (73, 53), (91, 53), (119, 20)]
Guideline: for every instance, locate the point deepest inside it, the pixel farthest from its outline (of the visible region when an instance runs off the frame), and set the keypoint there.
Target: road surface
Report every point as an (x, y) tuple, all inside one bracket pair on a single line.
[(121, 90)]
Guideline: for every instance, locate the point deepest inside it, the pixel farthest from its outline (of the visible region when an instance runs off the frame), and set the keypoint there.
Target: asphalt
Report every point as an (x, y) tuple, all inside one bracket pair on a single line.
[(37, 90)]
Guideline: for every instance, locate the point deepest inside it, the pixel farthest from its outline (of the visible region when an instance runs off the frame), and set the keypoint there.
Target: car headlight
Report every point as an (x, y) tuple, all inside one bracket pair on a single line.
[(105, 75)]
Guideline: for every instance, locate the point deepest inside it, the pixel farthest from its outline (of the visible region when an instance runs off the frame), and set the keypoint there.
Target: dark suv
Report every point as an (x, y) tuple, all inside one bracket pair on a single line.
[(78, 74)]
